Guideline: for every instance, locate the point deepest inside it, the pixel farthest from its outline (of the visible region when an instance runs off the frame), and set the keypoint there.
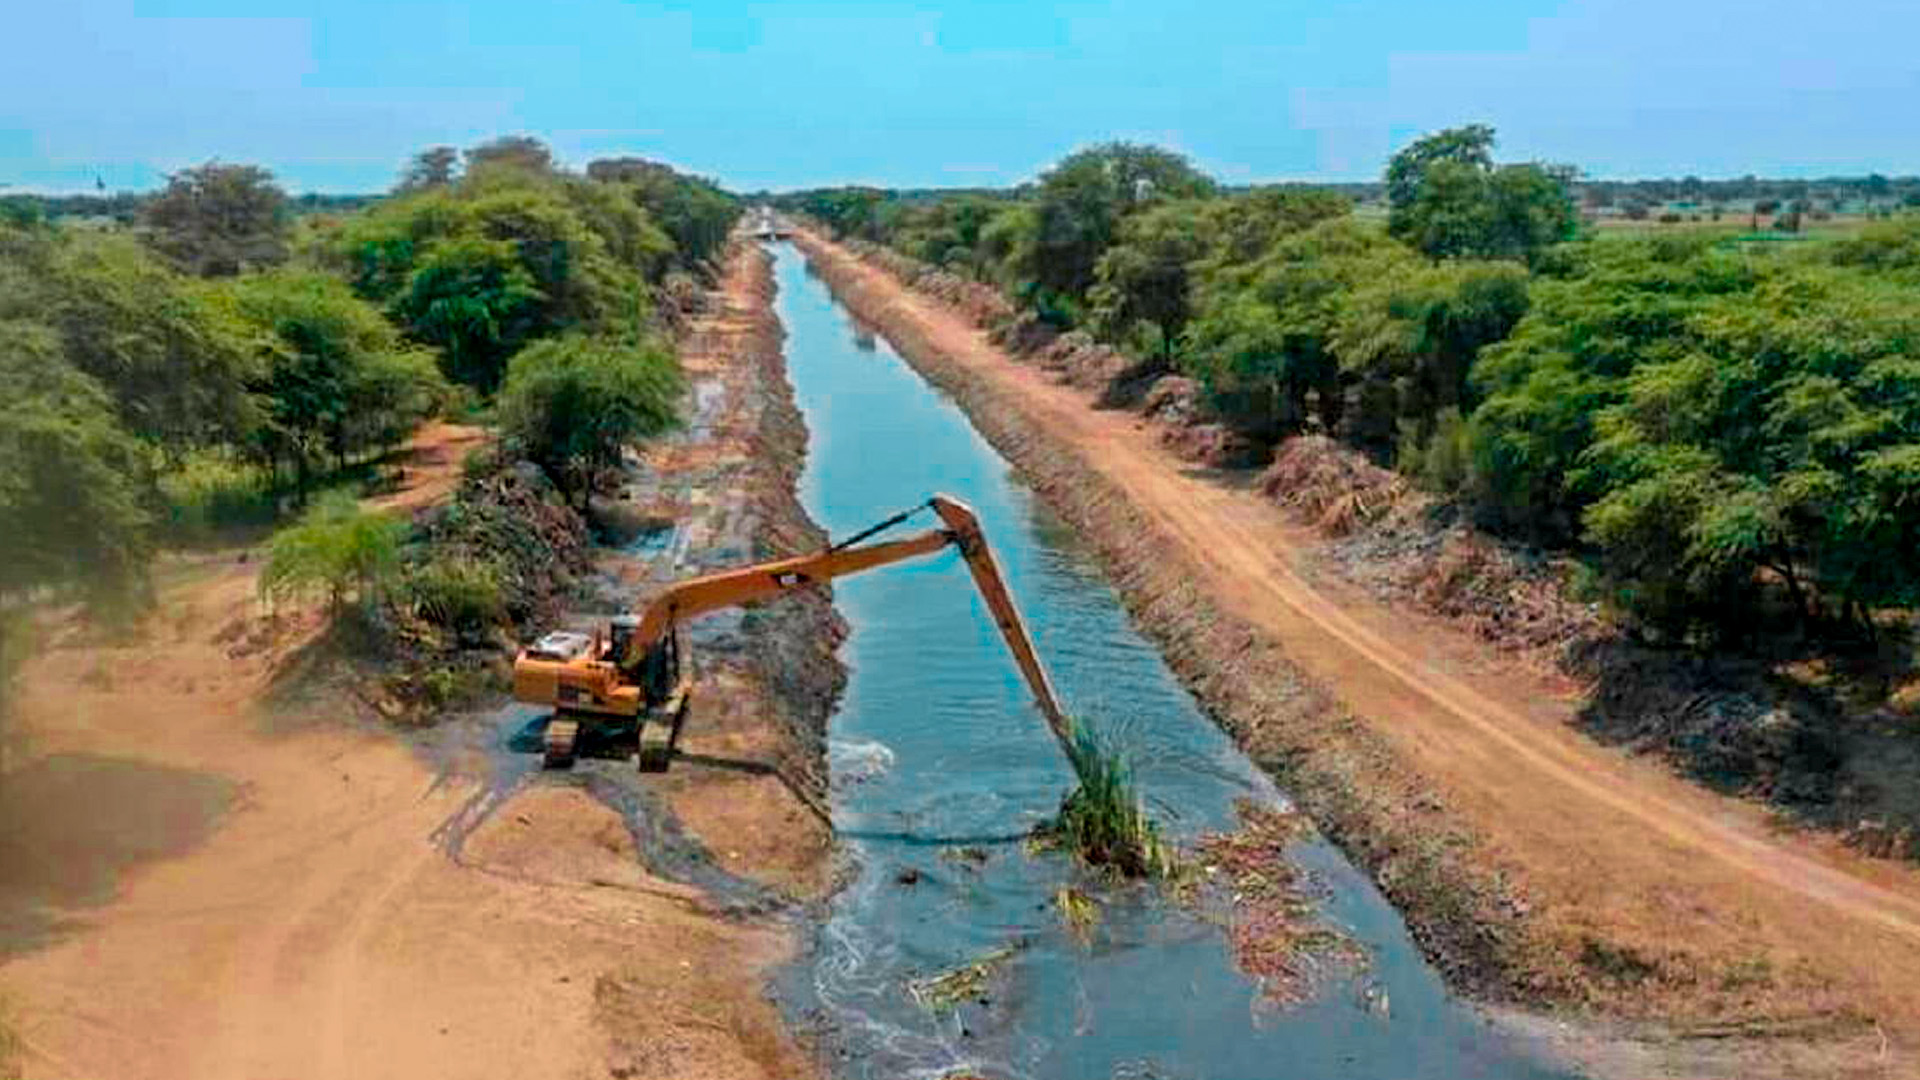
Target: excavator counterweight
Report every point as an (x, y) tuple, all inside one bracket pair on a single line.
[(626, 691)]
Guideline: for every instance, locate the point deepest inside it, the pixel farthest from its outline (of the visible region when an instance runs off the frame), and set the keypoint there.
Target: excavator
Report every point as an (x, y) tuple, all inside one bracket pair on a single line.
[(625, 692)]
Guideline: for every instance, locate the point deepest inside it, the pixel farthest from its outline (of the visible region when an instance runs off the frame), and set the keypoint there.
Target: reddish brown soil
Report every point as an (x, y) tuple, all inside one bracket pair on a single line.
[(430, 465), (1689, 904), (202, 881)]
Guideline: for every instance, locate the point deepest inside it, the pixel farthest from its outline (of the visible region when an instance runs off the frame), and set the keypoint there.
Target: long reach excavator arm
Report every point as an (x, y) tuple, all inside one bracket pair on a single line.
[(605, 692)]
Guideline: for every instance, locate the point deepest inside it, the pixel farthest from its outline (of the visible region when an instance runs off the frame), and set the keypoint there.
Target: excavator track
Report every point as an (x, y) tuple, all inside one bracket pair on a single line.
[(558, 745)]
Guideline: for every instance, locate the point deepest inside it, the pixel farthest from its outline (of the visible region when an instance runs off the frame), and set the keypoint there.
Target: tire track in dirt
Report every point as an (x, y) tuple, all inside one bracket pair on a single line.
[(1609, 840), (317, 927)]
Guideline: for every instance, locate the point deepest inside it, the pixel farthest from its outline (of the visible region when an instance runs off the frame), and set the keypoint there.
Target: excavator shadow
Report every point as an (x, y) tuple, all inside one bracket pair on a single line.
[(610, 741), (710, 761), (616, 743)]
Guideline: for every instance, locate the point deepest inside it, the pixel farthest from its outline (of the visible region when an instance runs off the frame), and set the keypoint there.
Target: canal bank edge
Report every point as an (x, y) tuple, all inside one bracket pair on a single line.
[(731, 485), (1441, 877), (767, 690), (798, 640), (1461, 893)]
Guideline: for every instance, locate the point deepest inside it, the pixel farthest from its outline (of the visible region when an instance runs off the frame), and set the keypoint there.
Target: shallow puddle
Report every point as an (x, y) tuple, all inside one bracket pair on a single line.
[(76, 824)]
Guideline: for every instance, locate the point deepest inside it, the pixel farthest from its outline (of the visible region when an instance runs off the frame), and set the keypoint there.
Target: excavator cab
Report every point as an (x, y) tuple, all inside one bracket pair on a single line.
[(601, 708), (625, 694)]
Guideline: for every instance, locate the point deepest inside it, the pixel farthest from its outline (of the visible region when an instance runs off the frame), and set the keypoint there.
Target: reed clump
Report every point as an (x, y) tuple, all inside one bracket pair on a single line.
[(1102, 820)]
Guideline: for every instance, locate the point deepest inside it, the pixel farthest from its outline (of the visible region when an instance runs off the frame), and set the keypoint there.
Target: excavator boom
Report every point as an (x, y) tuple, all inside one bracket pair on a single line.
[(965, 528), (611, 683)]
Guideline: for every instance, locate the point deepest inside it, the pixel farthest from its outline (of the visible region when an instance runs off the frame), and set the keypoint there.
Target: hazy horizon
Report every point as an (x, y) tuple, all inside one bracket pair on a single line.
[(984, 94)]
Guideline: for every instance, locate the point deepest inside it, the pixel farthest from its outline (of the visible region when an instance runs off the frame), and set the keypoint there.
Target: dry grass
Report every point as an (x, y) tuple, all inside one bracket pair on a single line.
[(1275, 930), (1330, 485), (1500, 597), (955, 986)]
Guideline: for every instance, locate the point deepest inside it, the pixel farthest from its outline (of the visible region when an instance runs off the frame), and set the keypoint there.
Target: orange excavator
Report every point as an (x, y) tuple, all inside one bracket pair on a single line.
[(626, 692)]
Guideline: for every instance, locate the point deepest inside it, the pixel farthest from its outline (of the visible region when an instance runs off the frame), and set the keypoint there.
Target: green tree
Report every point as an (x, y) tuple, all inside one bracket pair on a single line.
[(508, 254), (1143, 276), (338, 382), (1243, 227), (75, 487), (1890, 247), (436, 166), (571, 404), (472, 298), (578, 281), (694, 212), (1709, 424), (1448, 200), (1082, 200), (1614, 305), (628, 232), (1470, 147), (849, 212), (378, 249), (216, 220), (177, 363), (944, 232), (1008, 245), (1407, 340), (1262, 337), (521, 152)]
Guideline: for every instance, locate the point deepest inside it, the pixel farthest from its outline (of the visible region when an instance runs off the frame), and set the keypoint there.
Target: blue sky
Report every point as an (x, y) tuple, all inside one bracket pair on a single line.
[(334, 96)]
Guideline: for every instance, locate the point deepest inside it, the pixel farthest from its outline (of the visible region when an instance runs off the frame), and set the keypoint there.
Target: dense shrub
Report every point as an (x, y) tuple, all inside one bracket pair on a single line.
[(571, 404), (337, 550), (458, 593)]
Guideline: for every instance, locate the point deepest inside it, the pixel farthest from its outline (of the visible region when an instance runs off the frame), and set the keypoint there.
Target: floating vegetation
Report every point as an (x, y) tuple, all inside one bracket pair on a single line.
[(1275, 927), (972, 856), (1079, 911), (1103, 820), (968, 982)]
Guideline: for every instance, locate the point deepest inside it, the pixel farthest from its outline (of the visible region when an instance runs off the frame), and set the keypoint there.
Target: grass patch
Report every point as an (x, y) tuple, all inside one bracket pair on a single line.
[(219, 495), (213, 490), (337, 549), (455, 592), (1103, 820)]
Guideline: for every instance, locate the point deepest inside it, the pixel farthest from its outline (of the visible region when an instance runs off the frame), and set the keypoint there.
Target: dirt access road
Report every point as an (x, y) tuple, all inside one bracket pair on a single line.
[(1607, 848), (205, 876)]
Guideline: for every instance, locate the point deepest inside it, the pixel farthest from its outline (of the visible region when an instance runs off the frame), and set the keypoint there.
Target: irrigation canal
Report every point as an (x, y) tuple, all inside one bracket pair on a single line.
[(941, 764)]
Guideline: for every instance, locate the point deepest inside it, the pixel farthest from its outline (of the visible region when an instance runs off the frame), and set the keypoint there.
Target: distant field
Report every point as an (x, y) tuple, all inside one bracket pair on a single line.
[(1733, 223)]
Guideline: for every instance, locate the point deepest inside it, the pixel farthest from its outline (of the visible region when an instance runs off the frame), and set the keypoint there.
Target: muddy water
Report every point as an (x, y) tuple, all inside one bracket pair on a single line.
[(941, 764)]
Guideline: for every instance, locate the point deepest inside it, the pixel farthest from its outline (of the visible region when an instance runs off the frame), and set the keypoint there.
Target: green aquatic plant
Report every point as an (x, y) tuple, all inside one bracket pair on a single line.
[(1103, 820)]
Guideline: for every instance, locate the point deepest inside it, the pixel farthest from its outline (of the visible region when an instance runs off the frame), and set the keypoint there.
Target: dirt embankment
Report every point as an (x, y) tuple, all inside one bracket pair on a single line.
[(207, 874), (1533, 866), (719, 494)]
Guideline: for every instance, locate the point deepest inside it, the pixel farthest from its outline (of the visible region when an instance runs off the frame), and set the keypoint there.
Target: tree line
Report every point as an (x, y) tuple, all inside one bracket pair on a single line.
[(1720, 432), (225, 346)]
